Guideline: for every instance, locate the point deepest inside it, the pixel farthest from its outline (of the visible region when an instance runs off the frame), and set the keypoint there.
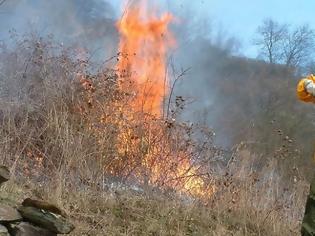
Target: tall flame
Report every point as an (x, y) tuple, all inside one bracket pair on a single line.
[(145, 40), (144, 43)]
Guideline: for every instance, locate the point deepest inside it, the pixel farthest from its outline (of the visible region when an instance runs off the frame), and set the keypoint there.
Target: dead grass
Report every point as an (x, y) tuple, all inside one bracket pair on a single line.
[(130, 213), (61, 126)]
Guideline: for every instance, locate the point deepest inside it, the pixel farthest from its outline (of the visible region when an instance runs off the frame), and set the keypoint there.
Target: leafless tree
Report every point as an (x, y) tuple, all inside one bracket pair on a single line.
[(283, 44), (2, 1), (298, 46), (270, 39)]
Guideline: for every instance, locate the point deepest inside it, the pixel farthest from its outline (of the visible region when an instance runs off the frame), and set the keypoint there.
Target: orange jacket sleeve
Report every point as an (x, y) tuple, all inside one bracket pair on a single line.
[(302, 94)]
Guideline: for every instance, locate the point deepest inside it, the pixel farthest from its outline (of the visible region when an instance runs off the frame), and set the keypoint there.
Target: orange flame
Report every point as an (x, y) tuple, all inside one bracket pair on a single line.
[(145, 40), (144, 43)]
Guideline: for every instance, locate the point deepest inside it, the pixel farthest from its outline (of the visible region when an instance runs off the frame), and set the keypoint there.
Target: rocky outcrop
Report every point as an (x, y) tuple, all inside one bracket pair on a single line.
[(46, 206), (4, 174), (48, 220), (9, 214), (32, 217), (27, 229), (4, 231)]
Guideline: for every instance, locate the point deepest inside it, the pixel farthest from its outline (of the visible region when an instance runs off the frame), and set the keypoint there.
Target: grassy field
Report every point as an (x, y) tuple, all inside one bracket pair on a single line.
[(131, 213), (70, 136)]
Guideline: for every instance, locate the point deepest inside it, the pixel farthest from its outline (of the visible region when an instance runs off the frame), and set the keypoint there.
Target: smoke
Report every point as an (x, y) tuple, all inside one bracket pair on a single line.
[(202, 45), (89, 24)]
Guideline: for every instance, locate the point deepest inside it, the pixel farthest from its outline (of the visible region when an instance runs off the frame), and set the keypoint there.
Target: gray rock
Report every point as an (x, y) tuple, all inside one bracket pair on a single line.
[(45, 219), (4, 174), (4, 231), (46, 206), (27, 229), (9, 214)]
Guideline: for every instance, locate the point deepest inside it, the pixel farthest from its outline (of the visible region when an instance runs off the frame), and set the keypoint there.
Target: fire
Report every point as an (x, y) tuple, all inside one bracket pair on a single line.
[(144, 43), (145, 40)]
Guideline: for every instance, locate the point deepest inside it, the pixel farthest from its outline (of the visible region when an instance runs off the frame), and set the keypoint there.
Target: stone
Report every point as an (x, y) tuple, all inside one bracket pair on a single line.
[(4, 231), (28, 202), (9, 214), (27, 229), (4, 174), (45, 219)]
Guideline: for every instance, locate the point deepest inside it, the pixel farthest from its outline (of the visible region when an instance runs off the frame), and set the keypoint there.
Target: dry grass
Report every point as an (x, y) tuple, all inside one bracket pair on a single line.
[(127, 212), (67, 138)]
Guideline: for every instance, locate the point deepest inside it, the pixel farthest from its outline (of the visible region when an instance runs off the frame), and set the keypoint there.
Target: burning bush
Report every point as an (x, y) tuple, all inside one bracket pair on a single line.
[(59, 114), (75, 126)]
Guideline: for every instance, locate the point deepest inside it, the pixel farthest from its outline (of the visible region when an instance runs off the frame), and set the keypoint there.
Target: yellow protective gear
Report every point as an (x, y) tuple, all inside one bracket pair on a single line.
[(306, 92), (302, 91)]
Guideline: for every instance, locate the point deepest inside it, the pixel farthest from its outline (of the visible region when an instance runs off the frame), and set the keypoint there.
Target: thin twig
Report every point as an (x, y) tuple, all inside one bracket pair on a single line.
[(183, 73)]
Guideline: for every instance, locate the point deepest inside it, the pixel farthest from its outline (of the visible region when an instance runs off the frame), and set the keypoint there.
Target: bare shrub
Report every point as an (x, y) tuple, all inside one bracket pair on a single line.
[(69, 128), (59, 116)]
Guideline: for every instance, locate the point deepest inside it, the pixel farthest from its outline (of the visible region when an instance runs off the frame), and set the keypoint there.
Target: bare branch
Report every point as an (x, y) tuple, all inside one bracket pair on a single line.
[(298, 46), (283, 44), (270, 38), (176, 79)]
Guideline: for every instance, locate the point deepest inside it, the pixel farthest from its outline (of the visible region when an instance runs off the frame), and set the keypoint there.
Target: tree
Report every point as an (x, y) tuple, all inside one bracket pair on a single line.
[(284, 44), (298, 46), (270, 39)]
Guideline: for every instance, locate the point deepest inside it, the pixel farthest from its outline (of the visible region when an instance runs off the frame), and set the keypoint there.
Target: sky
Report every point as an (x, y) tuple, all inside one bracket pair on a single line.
[(240, 18)]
